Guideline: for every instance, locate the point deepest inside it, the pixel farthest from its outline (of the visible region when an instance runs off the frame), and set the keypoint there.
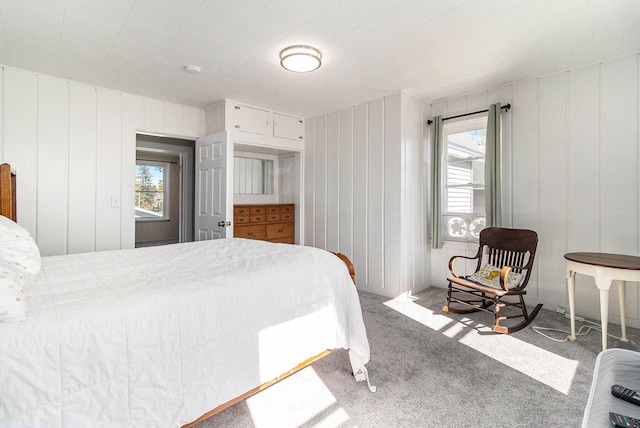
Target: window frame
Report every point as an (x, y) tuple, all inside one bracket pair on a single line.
[(165, 190), (471, 223)]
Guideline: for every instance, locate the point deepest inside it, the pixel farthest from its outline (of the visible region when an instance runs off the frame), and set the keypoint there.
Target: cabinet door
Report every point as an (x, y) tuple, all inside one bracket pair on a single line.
[(251, 119), (288, 127)]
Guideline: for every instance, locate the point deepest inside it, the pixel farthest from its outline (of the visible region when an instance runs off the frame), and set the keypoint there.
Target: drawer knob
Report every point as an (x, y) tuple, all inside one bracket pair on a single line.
[(280, 230), (249, 233)]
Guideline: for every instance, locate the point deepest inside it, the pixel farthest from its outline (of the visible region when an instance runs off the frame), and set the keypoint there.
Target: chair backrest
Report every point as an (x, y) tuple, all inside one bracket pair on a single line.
[(509, 247)]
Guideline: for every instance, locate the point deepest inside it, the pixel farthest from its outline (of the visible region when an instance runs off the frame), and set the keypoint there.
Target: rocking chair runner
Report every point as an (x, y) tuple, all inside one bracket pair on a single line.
[(505, 258)]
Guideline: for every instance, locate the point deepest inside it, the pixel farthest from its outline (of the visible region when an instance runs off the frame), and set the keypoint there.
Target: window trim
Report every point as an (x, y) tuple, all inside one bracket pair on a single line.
[(165, 191)]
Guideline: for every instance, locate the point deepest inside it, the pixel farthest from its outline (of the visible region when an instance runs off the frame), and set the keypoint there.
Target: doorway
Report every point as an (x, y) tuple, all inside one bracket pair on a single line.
[(164, 190)]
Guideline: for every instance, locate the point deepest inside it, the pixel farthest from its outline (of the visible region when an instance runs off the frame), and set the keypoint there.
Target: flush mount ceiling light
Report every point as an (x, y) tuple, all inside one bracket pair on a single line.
[(192, 69), (300, 59)]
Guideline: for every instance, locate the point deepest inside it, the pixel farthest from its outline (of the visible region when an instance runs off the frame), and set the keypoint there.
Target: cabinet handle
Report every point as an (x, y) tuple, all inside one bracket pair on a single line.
[(258, 218), (250, 234), (240, 219), (280, 230)]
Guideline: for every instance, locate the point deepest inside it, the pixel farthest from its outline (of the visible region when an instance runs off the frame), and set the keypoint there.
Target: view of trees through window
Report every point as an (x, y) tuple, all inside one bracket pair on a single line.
[(149, 190)]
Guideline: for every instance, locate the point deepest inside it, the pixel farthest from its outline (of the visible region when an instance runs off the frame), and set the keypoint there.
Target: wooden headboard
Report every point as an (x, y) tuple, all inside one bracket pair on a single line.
[(8, 192)]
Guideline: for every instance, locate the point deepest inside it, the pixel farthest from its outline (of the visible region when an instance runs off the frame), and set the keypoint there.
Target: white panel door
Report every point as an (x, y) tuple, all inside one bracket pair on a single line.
[(214, 193)]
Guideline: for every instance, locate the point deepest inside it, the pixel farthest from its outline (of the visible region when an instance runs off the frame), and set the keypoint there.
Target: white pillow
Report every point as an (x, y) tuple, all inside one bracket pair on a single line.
[(17, 247), (490, 276), (13, 307)]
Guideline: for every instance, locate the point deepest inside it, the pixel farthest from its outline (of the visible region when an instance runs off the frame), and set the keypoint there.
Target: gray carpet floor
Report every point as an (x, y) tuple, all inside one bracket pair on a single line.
[(436, 369)]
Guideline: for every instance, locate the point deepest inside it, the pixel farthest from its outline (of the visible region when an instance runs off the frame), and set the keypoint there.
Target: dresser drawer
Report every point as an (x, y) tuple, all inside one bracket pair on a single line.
[(251, 232), (273, 216), (286, 216), (257, 210), (255, 218), (273, 209), (287, 209), (279, 230), (241, 219), (240, 211)]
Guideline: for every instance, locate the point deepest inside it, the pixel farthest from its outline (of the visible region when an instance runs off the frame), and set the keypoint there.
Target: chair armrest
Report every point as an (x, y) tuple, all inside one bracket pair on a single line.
[(453, 259), (503, 276)]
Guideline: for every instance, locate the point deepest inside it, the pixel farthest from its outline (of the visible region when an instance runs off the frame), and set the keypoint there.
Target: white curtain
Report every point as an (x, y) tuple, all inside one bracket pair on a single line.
[(437, 159), (492, 168)]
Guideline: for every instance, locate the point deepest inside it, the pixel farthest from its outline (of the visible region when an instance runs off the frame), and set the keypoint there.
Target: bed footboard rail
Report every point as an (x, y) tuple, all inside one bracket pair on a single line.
[(347, 262)]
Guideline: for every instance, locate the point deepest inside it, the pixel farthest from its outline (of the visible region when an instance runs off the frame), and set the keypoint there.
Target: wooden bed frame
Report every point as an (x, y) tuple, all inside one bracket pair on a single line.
[(8, 209), (7, 192)]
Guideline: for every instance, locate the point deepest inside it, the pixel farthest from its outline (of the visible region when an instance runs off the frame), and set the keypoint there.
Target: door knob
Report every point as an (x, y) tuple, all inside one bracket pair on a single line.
[(223, 223)]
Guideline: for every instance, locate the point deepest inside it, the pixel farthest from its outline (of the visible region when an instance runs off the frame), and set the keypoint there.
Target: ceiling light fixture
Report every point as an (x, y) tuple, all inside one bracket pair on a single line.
[(300, 58), (192, 69)]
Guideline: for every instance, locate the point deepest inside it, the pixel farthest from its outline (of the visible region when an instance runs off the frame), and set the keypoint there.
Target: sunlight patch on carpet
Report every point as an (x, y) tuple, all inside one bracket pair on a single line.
[(546, 367), (295, 402), (551, 369), (406, 306)]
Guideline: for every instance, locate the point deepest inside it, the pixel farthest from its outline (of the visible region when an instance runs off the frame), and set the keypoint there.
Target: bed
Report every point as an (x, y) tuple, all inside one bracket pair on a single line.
[(167, 336)]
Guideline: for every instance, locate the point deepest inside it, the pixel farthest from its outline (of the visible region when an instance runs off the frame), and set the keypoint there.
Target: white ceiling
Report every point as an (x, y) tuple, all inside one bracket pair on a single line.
[(432, 49)]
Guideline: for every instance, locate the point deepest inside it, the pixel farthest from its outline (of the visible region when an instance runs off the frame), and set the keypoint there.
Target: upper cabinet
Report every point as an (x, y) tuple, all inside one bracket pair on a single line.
[(285, 126), (255, 125), (251, 119)]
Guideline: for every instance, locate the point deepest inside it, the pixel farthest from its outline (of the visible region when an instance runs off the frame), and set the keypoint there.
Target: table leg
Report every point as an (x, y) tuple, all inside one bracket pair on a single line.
[(604, 315), (571, 287), (623, 318)]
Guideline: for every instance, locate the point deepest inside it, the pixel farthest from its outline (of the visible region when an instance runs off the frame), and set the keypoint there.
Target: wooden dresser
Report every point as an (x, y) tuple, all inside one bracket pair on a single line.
[(273, 222)]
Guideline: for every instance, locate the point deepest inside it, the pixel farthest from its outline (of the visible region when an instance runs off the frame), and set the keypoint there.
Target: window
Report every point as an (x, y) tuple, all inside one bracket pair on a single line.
[(463, 205), (152, 201)]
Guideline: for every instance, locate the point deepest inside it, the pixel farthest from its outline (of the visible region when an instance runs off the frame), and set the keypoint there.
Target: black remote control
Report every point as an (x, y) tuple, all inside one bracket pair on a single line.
[(621, 421), (626, 394)]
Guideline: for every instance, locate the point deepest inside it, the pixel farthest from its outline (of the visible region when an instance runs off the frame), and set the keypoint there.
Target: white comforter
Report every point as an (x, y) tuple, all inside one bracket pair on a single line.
[(159, 336)]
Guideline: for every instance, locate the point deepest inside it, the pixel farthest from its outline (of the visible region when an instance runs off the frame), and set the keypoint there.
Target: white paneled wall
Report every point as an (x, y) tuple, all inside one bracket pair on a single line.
[(73, 147), (571, 160), (365, 191)]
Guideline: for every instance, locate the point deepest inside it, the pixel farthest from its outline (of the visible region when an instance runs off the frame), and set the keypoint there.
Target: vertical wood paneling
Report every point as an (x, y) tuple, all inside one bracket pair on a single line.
[(456, 106), (82, 168), (375, 193), (619, 165), (20, 140), (191, 122), (395, 215), (553, 178), (526, 171), (619, 156), (309, 182), (53, 140), (360, 151), (74, 158), (333, 181), (153, 115), (132, 120), (108, 169), (583, 156), (320, 158), (526, 164), (172, 118), (346, 182)]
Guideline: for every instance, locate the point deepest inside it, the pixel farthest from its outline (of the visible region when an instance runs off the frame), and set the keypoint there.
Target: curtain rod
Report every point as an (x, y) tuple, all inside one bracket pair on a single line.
[(506, 107)]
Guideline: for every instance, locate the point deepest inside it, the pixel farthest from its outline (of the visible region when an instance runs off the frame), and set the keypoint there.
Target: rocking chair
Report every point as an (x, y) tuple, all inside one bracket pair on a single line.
[(505, 258)]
